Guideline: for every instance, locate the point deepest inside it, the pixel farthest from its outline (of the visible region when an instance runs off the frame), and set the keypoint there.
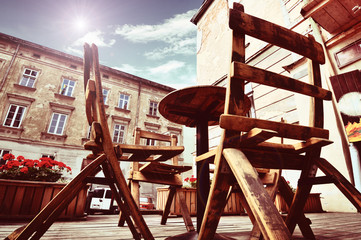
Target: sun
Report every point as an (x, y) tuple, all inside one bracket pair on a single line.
[(80, 24)]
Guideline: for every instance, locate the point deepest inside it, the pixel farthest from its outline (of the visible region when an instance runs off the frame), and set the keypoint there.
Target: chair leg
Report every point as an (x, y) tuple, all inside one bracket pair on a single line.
[(265, 212), (303, 222), (272, 191), (166, 211), (303, 190), (121, 220), (122, 205), (352, 194), (185, 212), (217, 200)]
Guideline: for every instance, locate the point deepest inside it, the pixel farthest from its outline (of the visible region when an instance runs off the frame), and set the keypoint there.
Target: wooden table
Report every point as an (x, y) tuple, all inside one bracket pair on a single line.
[(199, 107)]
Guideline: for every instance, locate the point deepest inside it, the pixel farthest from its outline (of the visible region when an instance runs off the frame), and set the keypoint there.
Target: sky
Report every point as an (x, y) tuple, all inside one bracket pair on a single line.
[(152, 39)]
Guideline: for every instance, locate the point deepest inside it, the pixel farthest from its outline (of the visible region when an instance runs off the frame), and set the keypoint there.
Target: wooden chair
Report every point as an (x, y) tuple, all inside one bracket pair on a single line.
[(238, 155), (160, 173), (106, 157)]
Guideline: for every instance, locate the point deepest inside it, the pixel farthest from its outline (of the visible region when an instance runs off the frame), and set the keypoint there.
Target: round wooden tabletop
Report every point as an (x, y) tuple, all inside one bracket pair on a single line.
[(189, 106)]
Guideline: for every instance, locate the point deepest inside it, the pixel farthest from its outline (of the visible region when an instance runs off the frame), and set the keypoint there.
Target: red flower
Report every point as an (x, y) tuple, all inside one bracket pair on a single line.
[(193, 179), (24, 170), (20, 158), (8, 156), (187, 179)]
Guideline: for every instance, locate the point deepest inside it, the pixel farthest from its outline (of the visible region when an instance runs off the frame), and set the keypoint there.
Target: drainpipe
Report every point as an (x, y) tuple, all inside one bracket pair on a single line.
[(332, 71), (10, 66), (138, 106)]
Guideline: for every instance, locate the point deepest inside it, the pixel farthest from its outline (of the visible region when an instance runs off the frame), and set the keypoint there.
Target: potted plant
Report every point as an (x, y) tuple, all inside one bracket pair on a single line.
[(45, 169), (26, 186)]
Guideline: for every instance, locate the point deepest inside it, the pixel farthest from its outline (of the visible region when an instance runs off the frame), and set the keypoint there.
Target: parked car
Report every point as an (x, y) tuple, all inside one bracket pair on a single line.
[(146, 203), (101, 200)]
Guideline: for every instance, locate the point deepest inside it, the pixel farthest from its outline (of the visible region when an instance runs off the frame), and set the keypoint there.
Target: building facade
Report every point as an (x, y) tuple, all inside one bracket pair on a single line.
[(42, 111), (213, 58)]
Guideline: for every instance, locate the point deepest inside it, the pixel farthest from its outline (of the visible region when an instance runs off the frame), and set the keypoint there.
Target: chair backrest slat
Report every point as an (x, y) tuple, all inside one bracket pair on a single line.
[(252, 74), (276, 35)]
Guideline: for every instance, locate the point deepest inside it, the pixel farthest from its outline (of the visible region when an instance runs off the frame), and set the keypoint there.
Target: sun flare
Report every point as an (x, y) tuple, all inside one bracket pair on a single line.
[(80, 24)]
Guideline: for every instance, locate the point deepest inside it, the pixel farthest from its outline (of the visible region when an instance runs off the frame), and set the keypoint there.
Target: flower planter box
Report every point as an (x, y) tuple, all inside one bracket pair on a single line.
[(24, 199), (313, 204), (233, 205)]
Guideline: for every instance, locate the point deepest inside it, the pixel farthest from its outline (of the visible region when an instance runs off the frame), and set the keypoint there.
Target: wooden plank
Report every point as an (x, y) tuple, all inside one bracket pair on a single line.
[(312, 143), (256, 136), (8, 200), (304, 223), (350, 192), (89, 100), (28, 197), (36, 202), (164, 168), (286, 130), (185, 212), (208, 156), (217, 198), (273, 159), (155, 136), (165, 179), (266, 215), (276, 35), (18, 200), (243, 71), (166, 211)]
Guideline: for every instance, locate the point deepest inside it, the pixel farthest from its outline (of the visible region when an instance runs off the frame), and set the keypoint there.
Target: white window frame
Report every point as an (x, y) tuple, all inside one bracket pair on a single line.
[(153, 108), (13, 118), (119, 133), (57, 123), (67, 87), (2, 152), (28, 79), (123, 102), (105, 95)]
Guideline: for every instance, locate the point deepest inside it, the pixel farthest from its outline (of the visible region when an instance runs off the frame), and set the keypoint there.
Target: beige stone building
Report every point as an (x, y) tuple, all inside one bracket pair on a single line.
[(336, 28), (42, 109)]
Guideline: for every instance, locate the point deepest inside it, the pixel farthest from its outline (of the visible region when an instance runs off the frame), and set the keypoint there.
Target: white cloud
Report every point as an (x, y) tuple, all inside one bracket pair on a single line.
[(96, 37), (178, 33), (129, 69), (167, 67), (175, 74)]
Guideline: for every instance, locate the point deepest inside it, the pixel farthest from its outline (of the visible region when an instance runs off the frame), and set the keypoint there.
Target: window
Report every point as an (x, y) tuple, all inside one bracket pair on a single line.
[(153, 106), (105, 95), (150, 142), (2, 153), (14, 116), (28, 78), (89, 132), (119, 132), (48, 156), (57, 123), (67, 87), (123, 101)]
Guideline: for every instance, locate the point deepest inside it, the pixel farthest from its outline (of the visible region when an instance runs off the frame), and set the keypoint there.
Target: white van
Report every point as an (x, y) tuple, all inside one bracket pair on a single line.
[(102, 200)]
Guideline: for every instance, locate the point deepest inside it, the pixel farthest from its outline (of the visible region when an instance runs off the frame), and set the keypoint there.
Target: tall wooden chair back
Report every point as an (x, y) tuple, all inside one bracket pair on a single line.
[(239, 154), (160, 173)]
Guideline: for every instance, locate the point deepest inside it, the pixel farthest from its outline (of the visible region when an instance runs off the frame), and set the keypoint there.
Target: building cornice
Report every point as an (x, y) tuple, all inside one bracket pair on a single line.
[(79, 60)]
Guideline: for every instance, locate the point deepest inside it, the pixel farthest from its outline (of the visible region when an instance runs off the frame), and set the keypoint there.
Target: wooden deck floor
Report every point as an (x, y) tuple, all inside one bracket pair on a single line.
[(325, 226)]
